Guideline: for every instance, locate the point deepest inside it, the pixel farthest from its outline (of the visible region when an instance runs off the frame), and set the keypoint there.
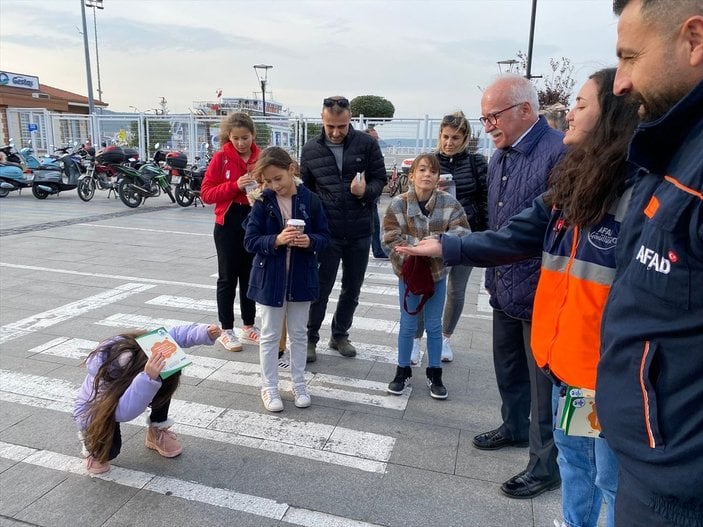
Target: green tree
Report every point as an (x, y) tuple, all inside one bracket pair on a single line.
[(555, 87), (372, 106), (263, 134), (157, 132), (314, 129)]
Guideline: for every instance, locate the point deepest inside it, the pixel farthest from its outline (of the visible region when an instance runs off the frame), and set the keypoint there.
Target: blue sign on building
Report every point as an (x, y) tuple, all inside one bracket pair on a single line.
[(32, 127)]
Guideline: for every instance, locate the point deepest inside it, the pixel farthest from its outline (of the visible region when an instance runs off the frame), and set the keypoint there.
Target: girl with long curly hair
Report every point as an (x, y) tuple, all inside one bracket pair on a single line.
[(121, 383)]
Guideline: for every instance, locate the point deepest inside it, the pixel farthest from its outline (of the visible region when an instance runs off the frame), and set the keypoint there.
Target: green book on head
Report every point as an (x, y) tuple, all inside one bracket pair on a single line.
[(161, 340)]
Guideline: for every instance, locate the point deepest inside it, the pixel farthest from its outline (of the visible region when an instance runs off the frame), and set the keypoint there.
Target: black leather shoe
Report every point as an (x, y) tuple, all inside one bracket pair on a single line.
[(525, 486), (495, 439)]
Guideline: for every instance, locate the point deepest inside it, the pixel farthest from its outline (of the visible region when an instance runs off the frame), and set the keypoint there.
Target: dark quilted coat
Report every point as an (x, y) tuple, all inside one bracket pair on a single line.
[(469, 175), (348, 217), (511, 189)]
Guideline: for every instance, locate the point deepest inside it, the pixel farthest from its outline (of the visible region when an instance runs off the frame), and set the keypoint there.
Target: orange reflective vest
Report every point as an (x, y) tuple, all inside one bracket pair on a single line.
[(578, 267)]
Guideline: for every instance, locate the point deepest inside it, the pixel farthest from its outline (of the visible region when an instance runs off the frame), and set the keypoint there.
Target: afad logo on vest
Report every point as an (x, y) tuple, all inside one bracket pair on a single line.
[(603, 238), (655, 261)]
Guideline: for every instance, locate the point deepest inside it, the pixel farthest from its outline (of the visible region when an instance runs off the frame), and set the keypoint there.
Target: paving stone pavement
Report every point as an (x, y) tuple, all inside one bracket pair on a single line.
[(73, 273)]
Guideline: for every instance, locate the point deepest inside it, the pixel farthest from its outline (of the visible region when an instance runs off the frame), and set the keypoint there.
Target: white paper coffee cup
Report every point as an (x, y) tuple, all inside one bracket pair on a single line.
[(298, 224)]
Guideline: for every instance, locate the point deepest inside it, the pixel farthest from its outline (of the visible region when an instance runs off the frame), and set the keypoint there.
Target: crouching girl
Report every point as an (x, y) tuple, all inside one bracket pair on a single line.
[(121, 383)]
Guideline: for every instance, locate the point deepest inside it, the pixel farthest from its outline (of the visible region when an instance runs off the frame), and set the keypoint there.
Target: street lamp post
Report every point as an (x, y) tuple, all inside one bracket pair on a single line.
[(263, 77), (508, 63), (99, 5), (91, 102)]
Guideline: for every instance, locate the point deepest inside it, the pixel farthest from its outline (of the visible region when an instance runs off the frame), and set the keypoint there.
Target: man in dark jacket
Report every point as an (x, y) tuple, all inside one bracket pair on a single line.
[(346, 169), (650, 376), (517, 173)]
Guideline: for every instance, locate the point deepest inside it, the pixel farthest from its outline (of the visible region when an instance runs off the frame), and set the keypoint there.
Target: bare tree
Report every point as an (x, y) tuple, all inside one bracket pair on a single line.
[(555, 87)]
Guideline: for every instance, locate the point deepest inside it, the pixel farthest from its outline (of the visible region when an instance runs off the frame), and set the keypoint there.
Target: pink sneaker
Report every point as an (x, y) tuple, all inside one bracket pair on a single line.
[(163, 441), (94, 467), (251, 335)]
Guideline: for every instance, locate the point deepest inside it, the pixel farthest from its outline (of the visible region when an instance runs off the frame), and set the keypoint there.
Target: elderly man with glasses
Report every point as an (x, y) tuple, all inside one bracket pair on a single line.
[(345, 168), (517, 173)]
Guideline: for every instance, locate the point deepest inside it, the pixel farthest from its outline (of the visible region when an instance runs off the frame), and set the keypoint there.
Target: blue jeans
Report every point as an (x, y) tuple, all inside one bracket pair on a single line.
[(589, 475), (456, 293), (432, 311)]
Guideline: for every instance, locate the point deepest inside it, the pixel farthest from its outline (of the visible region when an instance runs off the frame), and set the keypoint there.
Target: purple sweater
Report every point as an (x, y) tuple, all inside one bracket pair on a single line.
[(142, 390)]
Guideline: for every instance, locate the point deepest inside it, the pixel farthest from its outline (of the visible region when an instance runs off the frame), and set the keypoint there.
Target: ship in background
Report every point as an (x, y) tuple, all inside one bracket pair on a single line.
[(272, 127)]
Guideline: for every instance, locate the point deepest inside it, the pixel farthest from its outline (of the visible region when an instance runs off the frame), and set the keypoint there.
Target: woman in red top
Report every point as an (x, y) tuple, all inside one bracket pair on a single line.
[(225, 185)]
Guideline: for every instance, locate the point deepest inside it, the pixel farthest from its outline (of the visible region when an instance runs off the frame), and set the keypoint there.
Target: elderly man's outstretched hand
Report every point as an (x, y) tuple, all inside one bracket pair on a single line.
[(427, 247)]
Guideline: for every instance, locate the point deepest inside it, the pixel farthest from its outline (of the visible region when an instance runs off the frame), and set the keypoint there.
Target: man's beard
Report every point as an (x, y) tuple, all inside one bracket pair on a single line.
[(656, 105)]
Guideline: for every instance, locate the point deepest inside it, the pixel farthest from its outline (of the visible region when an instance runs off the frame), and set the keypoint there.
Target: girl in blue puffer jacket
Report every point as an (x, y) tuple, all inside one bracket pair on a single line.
[(284, 278)]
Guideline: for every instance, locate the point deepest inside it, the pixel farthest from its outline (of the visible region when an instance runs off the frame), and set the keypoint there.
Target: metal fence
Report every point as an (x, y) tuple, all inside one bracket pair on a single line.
[(193, 134)]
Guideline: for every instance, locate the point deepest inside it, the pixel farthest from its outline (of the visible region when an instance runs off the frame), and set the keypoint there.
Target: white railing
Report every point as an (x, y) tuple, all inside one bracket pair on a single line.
[(399, 137)]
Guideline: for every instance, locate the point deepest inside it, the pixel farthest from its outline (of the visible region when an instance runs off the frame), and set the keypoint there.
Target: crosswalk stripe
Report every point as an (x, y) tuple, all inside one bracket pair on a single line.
[(327, 443), (370, 352), (210, 306), (188, 490), (60, 314), (141, 229), (108, 276), (359, 391)]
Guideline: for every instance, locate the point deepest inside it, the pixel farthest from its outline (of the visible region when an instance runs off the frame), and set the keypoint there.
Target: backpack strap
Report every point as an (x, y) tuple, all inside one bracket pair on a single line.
[(423, 301)]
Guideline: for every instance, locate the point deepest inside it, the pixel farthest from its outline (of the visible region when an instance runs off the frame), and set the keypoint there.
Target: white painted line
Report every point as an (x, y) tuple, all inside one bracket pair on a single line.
[(370, 352), (210, 306), (360, 450), (129, 321), (390, 291), (188, 490), (158, 231), (347, 389), (358, 391), (66, 347), (60, 314), (109, 276)]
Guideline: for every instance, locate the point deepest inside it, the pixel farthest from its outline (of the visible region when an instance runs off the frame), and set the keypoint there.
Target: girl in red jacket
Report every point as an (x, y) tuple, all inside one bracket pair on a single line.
[(226, 182)]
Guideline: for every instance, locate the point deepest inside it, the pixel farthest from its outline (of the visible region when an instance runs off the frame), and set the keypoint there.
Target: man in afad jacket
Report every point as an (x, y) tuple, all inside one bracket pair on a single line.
[(346, 169), (650, 376)]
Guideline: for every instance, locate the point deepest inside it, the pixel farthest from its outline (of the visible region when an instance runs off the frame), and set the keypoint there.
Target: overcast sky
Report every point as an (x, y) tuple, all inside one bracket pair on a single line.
[(426, 57)]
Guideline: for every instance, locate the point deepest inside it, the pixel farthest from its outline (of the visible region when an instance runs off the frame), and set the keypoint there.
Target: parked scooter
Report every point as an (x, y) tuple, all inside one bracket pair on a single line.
[(149, 181), (13, 176), (32, 162), (49, 180)]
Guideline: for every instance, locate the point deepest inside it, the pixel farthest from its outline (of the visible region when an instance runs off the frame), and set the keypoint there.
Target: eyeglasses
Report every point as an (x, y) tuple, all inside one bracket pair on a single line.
[(342, 102), (492, 118)]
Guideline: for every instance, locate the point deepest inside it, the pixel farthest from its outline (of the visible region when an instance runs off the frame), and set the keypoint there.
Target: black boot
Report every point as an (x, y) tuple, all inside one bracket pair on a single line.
[(401, 380), (434, 382)]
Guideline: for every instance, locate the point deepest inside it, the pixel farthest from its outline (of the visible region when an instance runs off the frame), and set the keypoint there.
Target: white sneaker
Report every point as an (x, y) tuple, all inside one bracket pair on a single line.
[(415, 355), (272, 399), (229, 340), (284, 361), (447, 354), (302, 398)]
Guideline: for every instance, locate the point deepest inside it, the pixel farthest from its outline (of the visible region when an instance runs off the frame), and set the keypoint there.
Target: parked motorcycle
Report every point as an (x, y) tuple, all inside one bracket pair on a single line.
[(49, 180), (99, 175), (13, 176), (187, 180), (148, 181)]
